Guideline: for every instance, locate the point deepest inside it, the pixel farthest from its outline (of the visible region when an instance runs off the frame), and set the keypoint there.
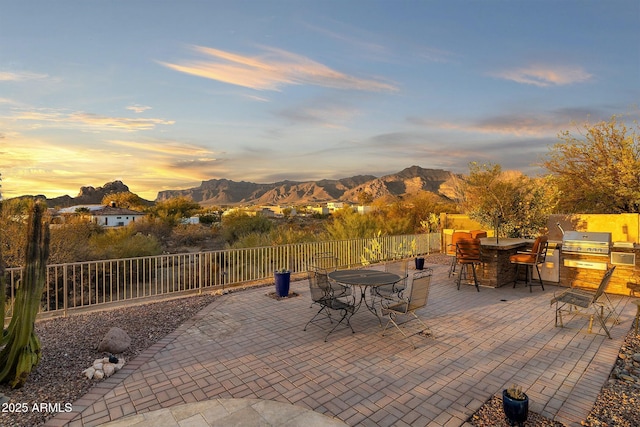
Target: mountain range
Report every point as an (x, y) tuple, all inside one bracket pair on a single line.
[(226, 192), (221, 192)]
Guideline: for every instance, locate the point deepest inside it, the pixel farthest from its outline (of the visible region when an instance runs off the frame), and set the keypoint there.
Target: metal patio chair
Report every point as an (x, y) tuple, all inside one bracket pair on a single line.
[(325, 260), (322, 293), (533, 258), (392, 290), (416, 297), (587, 302)]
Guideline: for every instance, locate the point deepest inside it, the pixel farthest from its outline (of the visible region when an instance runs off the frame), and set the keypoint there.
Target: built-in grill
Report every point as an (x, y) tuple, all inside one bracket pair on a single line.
[(589, 243)]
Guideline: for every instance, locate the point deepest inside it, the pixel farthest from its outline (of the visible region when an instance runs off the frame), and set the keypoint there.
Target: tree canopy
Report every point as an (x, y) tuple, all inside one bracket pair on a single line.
[(519, 203), (597, 171)]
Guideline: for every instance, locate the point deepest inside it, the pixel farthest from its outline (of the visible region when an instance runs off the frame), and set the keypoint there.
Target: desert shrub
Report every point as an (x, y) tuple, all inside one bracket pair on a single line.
[(238, 224), (190, 234), (123, 243), (70, 241), (349, 224)]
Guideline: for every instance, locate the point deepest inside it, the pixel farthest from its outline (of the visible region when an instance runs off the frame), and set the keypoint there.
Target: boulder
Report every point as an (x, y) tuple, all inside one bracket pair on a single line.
[(115, 341)]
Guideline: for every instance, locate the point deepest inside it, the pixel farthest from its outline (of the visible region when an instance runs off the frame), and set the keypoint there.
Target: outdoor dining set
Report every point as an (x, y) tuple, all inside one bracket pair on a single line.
[(393, 293)]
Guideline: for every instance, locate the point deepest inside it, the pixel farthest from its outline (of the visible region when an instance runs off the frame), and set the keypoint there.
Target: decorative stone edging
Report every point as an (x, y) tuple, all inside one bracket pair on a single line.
[(104, 368)]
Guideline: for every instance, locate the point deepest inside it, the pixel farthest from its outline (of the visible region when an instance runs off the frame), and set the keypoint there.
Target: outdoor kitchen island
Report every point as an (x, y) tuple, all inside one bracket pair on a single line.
[(496, 270)]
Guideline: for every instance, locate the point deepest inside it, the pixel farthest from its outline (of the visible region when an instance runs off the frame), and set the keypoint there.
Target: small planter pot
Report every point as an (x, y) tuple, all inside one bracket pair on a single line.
[(283, 281), (419, 263), (515, 410)]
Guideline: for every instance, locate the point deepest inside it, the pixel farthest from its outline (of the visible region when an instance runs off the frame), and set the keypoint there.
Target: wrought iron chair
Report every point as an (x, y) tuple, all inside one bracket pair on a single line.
[(416, 297), (322, 293), (452, 248), (325, 260), (587, 302), (392, 290), (468, 254), (530, 259)]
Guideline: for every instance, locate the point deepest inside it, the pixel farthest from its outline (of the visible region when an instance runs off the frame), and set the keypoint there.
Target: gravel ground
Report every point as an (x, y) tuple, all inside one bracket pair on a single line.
[(69, 347)]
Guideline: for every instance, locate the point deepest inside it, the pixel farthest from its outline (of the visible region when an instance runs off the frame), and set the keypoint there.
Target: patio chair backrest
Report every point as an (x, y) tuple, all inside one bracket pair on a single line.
[(540, 246), (318, 284), (326, 260), (397, 267), (468, 251), (603, 284), (478, 234), (455, 237), (419, 292)]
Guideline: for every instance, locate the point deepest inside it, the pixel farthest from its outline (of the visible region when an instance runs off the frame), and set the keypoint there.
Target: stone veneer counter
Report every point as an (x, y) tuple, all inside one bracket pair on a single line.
[(496, 270)]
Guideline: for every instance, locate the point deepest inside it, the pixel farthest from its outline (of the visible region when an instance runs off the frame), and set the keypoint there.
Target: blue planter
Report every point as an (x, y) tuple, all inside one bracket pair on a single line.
[(419, 263), (283, 280), (516, 411)]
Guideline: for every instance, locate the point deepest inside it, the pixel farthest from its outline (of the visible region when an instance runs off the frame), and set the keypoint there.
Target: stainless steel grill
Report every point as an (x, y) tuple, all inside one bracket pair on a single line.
[(590, 243)]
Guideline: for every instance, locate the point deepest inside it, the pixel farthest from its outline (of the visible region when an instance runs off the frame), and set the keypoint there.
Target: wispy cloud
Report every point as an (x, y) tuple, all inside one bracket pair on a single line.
[(138, 108), (271, 70), (329, 112), (7, 76), (518, 124), (89, 120), (171, 147), (545, 75)]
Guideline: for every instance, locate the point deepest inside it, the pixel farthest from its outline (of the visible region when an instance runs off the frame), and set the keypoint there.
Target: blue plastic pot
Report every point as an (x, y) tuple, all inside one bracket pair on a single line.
[(283, 281)]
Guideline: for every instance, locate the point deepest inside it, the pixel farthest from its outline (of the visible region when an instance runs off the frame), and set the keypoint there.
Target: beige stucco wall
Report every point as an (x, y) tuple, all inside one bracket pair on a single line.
[(623, 227)]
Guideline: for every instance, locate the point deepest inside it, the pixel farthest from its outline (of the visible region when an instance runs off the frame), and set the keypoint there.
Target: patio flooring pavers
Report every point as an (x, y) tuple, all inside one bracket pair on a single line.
[(246, 345)]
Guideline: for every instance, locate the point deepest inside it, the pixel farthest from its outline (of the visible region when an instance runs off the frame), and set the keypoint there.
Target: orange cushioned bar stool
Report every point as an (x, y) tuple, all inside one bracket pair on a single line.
[(531, 259)]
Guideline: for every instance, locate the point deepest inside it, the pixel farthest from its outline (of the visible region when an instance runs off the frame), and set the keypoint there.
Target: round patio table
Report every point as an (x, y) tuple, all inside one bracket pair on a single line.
[(364, 279)]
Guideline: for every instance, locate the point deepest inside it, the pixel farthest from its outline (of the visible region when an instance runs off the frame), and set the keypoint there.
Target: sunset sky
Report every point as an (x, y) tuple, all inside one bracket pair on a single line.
[(165, 94)]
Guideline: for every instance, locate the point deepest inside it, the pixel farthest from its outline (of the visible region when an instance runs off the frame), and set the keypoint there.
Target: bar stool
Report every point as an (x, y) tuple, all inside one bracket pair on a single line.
[(468, 254), (452, 250), (529, 259)]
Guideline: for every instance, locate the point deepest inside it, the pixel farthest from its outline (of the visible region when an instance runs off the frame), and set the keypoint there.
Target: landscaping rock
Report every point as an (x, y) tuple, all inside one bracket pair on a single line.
[(115, 341)]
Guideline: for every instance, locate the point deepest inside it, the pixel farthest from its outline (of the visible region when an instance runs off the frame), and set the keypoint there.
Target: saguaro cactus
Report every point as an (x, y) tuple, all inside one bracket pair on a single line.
[(20, 347)]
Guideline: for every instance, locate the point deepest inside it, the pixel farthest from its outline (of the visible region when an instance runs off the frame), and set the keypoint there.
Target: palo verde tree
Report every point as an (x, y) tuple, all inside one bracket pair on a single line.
[(20, 347), (518, 204), (597, 171)]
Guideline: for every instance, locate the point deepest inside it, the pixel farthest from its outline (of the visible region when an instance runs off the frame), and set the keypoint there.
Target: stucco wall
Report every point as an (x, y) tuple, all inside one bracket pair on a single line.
[(623, 227)]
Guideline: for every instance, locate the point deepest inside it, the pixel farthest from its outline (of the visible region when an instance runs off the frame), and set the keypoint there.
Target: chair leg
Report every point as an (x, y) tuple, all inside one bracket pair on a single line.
[(452, 267), (540, 277), (344, 316), (475, 277), (515, 278)]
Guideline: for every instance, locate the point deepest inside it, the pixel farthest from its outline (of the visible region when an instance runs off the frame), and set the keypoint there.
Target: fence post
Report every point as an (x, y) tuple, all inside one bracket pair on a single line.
[(200, 271), (65, 294)]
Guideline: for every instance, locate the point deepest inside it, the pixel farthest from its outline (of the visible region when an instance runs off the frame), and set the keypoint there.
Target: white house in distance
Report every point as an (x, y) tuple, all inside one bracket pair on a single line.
[(104, 215)]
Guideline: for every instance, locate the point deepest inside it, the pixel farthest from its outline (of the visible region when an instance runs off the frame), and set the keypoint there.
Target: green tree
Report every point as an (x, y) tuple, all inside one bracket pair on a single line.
[(365, 198), (521, 205), (172, 211), (598, 171), (127, 200), (20, 347), (349, 224)]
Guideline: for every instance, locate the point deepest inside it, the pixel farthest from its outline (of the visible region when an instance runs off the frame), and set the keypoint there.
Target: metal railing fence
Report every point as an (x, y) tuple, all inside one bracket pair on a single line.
[(97, 284)]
